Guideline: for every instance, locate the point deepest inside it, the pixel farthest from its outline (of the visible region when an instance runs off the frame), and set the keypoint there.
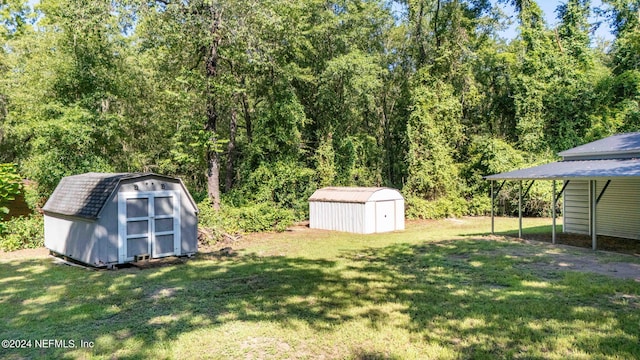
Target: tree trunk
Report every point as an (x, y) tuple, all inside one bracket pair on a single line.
[(247, 113), (422, 53), (213, 156), (231, 148), (435, 25)]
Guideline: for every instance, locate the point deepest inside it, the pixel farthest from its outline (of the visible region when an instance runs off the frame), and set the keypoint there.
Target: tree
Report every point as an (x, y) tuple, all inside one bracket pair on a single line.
[(536, 62), (69, 84), (434, 131), (573, 31)]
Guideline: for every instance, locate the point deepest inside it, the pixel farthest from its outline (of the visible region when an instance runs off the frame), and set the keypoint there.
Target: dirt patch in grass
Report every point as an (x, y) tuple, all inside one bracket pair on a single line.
[(606, 243), (25, 254), (590, 264), (548, 258)]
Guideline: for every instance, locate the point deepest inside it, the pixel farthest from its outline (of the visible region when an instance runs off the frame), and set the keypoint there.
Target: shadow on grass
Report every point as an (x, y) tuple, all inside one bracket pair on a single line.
[(537, 230), (486, 304), (606, 243), (135, 309), (457, 294), (529, 230)]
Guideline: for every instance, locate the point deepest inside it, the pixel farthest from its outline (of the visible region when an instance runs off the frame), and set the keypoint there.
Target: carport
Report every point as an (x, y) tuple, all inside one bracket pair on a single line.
[(600, 183)]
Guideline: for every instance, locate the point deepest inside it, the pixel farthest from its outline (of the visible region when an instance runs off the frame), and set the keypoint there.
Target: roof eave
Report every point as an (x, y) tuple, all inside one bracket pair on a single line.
[(74, 216), (599, 155)]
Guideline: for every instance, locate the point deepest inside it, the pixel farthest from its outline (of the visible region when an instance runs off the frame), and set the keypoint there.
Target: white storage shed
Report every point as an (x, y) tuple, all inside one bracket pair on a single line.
[(361, 210), (103, 219)]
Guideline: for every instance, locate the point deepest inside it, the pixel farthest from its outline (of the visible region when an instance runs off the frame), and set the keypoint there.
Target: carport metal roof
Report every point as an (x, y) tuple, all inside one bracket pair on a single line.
[(617, 156), (575, 169), (625, 145)]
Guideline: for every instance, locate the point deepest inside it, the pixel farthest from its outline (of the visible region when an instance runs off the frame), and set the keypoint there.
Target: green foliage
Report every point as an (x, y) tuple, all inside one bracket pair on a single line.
[(434, 131), (326, 162), (67, 143), (275, 98), (419, 208), (574, 30), (287, 185), (10, 186), (244, 219), (489, 156), (22, 233)]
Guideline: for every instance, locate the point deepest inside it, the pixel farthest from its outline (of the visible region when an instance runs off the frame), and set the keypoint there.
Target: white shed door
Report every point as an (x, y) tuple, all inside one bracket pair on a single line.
[(148, 223), (385, 216)]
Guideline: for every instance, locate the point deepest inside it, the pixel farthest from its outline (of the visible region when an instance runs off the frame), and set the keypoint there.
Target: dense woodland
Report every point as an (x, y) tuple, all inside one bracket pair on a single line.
[(256, 103)]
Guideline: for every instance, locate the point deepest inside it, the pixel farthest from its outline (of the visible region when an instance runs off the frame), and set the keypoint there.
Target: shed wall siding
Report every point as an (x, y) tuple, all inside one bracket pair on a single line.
[(576, 207), (399, 214), (72, 238), (369, 218), (109, 222), (619, 208), (349, 217)]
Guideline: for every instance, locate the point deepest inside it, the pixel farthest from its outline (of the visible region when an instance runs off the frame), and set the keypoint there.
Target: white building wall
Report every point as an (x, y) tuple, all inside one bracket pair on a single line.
[(369, 218), (619, 208), (399, 214), (576, 207), (71, 237), (349, 217)]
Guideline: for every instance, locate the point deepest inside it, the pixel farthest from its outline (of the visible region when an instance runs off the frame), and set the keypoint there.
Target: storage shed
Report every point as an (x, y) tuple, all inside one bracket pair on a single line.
[(362, 210), (103, 219), (600, 185)]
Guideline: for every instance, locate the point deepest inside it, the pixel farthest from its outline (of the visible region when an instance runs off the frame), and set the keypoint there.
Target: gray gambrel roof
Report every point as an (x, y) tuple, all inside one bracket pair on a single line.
[(615, 156), (84, 195)]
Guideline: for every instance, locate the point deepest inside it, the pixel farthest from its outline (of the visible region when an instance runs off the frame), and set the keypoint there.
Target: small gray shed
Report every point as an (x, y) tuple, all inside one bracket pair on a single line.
[(362, 210), (103, 219)]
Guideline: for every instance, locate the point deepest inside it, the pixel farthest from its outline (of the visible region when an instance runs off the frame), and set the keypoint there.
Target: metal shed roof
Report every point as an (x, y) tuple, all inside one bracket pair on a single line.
[(84, 195), (352, 194), (576, 169), (625, 145)]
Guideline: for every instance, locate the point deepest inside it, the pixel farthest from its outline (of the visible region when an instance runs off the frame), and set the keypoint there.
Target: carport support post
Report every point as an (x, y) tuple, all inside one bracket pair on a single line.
[(553, 213), (492, 205), (594, 205), (520, 210)]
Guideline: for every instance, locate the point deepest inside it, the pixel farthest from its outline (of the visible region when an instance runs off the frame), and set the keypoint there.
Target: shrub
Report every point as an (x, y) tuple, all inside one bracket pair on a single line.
[(283, 184), (22, 233), (258, 217), (10, 186), (244, 219), (480, 205), (419, 208)]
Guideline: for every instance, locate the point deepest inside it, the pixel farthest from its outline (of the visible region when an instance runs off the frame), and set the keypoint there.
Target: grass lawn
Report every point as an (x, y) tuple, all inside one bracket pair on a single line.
[(439, 290)]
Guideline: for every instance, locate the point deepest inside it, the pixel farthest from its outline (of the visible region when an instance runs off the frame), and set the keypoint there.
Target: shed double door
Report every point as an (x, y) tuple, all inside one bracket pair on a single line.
[(149, 223)]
